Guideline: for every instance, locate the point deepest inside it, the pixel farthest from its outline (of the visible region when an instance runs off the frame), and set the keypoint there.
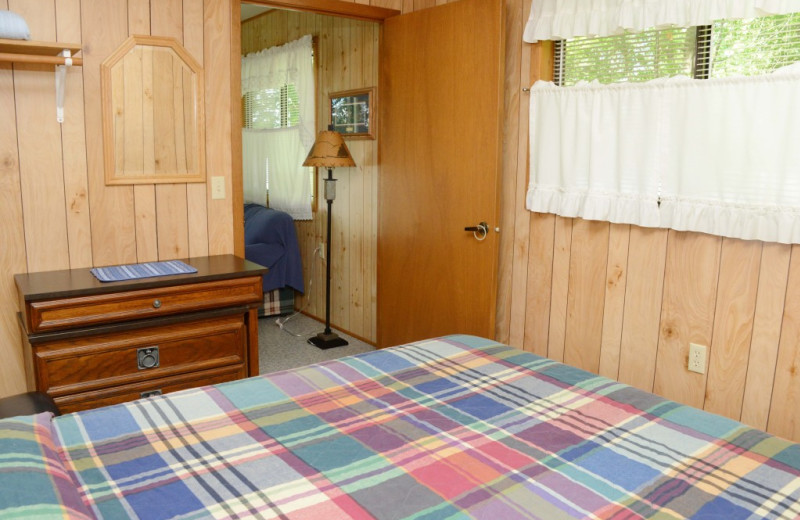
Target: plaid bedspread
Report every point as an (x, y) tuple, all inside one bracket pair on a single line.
[(457, 427)]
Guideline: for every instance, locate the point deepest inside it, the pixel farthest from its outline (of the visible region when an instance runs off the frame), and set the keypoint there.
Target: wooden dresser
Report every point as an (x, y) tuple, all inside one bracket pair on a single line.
[(89, 343)]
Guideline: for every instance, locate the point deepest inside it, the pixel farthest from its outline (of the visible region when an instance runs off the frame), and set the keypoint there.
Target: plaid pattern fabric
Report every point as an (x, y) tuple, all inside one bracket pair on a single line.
[(33, 481), (277, 301), (458, 427)]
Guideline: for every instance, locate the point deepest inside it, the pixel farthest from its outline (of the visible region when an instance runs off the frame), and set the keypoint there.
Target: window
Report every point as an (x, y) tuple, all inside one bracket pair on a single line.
[(272, 108), (275, 108), (726, 48)]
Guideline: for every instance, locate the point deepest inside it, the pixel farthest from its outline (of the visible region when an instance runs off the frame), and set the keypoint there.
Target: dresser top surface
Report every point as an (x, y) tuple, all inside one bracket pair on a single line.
[(81, 282)]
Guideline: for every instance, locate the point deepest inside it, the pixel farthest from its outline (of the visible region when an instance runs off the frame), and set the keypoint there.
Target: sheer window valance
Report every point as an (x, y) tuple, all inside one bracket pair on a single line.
[(716, 156), (562, 19), (282, 65)]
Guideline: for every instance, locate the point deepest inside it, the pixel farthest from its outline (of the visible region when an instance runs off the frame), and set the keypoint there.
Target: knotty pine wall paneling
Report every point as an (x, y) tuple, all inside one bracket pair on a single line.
[(640, 321), (41, 174), (765, 339), (687, 313), (616, 281), (73, 138), (784, 414), (12, 235), (166, 19), (104, 26), (144, 195), (56, 210)]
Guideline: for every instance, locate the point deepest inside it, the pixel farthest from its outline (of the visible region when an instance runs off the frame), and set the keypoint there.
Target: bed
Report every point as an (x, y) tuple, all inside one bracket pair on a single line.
[(270, 240), (453, 427)]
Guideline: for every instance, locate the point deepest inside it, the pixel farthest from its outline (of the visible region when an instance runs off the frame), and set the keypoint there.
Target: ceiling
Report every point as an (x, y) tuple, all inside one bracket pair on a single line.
[(251, 10)]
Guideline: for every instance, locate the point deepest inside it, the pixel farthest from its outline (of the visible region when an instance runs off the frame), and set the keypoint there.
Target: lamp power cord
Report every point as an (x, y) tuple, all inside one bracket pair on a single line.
[(281, 321)]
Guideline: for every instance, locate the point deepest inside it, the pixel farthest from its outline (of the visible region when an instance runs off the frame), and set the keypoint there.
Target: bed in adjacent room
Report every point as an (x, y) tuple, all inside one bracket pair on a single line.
[(271, 240), (455, 427)]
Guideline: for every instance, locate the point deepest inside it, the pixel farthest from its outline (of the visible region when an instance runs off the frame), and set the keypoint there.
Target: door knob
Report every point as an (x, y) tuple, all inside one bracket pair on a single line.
[(480, 231)]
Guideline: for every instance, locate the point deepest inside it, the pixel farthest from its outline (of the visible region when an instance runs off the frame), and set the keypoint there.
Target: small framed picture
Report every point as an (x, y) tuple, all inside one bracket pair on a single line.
[(353, 113)]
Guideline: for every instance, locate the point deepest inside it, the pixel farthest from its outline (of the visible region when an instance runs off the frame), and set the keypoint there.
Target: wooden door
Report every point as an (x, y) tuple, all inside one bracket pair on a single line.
[(441, 76)]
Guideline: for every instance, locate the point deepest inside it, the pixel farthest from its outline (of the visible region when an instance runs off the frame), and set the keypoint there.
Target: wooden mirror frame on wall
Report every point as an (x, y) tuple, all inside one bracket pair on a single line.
[(153, 113)]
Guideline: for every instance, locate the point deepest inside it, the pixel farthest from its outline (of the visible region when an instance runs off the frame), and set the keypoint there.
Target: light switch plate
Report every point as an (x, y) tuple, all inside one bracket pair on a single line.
[(218, 187)]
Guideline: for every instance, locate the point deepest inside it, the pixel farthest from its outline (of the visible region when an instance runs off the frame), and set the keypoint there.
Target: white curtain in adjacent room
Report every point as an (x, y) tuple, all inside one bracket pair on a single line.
[(562, 19), (717, 156), (254, 167), (282, 65), (281, 153)]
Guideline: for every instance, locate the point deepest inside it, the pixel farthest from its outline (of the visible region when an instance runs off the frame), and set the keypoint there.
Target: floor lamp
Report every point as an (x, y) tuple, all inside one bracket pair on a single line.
[(329, 151)]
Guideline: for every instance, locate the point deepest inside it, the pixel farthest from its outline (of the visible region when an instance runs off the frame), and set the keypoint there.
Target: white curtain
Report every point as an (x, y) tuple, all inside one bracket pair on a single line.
[(561, 19), (282, 151), (278, 66), (717, 156), (254, 167)]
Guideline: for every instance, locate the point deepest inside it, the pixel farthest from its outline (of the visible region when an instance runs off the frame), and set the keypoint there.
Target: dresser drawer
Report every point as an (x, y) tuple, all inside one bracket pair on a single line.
[(84, 311), (90, 363), (122, 394)]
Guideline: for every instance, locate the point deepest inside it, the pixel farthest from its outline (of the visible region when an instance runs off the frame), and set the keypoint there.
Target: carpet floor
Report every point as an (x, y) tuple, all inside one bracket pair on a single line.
[(281, 348)]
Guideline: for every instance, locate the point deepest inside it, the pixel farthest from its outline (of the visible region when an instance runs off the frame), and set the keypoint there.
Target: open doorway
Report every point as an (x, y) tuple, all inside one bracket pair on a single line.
[(346, 58)]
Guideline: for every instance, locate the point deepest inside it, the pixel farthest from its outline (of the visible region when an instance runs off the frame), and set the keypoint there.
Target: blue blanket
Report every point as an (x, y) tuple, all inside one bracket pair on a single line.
[(270, 240)]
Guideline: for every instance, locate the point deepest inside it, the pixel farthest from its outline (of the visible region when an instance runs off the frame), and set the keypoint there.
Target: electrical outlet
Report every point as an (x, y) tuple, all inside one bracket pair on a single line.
[(217, 187), (697, 358)]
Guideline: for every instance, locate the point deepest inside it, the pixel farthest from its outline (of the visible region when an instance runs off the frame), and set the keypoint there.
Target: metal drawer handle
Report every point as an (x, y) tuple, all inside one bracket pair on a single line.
[(150, 393), (156, 304), (147, 357)]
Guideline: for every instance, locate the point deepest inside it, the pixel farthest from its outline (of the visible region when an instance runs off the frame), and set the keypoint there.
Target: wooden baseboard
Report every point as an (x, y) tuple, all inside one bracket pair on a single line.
[(356, 336)]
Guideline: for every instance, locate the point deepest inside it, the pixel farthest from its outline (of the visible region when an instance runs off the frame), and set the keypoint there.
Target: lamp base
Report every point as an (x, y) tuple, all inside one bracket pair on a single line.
[(326, 341)]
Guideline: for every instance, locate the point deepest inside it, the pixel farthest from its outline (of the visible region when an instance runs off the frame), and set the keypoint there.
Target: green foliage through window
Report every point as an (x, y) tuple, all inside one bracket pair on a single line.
[(272, 108), (726, 48), (627, 57), (757, 46)]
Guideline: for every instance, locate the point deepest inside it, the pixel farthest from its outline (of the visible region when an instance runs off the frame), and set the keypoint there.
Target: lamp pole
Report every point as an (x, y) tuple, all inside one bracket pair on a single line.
[(330, 194), (328, 338)]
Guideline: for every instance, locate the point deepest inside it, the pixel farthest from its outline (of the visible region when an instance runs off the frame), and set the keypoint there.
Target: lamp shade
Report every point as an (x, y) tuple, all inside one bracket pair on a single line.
[(329, 151)]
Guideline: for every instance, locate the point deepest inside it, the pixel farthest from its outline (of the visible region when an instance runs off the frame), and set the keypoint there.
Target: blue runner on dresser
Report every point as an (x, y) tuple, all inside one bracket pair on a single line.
[(117, 273)]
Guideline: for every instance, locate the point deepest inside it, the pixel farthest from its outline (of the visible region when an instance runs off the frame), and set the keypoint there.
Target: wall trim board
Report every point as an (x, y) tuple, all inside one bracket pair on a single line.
[(237, 178), (333, 8)]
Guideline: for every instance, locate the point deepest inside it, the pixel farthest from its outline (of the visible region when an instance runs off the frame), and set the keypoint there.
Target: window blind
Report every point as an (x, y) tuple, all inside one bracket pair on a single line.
[(272, 108), (627, 57), (723, 49)]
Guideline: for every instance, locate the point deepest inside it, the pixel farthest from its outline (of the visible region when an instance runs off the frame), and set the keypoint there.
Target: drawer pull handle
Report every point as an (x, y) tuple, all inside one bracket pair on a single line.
[(157, 304), (147, 357), (150, 393)]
